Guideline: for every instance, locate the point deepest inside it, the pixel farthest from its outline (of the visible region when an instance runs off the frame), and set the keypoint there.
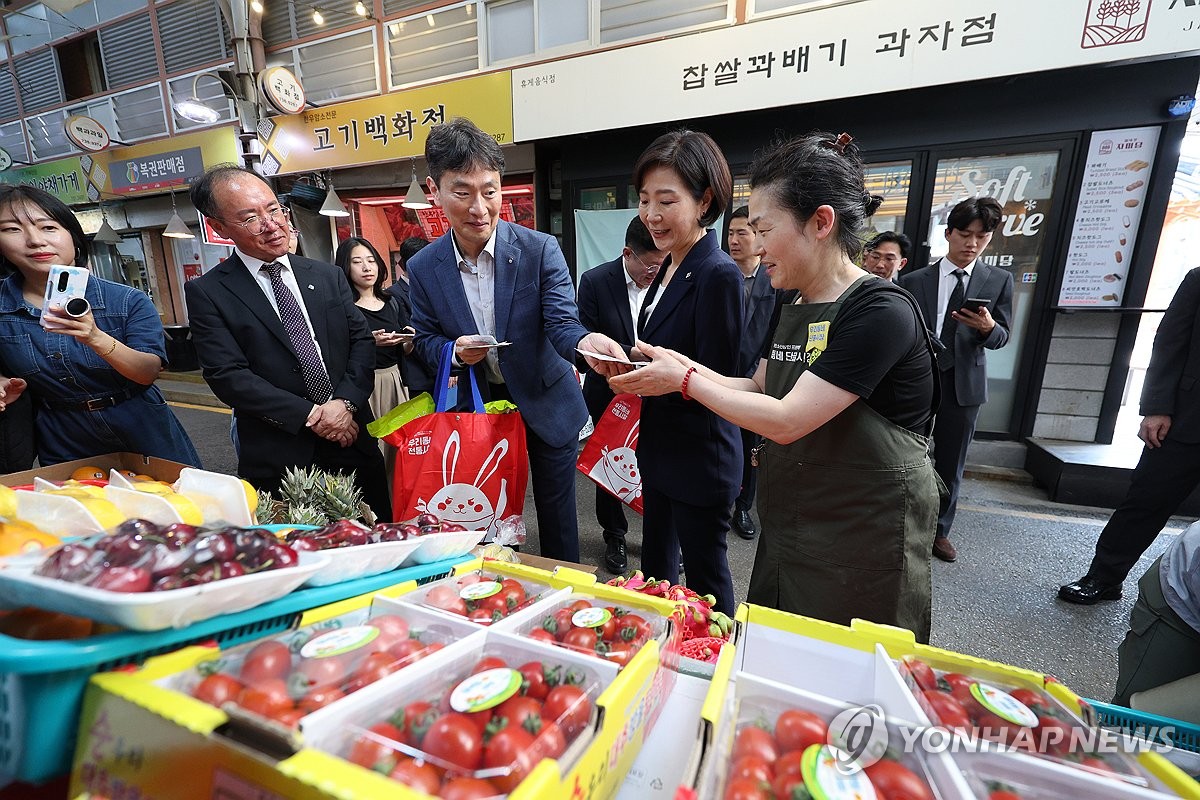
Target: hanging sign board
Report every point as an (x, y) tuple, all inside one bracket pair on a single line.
[(86, 133), (282, 90)]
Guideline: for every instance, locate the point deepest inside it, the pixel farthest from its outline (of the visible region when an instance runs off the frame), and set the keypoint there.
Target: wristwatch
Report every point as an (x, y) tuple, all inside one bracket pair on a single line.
[(353, 409)]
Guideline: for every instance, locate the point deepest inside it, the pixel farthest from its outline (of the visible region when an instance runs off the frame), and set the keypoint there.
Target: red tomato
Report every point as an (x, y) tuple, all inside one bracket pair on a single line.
[(266, 698), (267, 660), (392, 629), (423, 777), (468, 789), (534, 684), (542, 635), (785, 785), (923, 674), (632, 628), (897, 782), (217, 689), (495, 604), (319, 697), (745, 789), (1053, 735), (491, 662), (578, 605), (582, 639), (406, 651), (469, 578), (373, 749), (790, 763), (446, 598), (796, 730), (373, 668), (290, 718), (570, 707), (562, 623), (511, 583), (455, 739), (754, 741), (481, 719), (620, 653), (513, 748), (513, 595), (482, 616), (1030, 699), (1003, 794), (521, 712), (414, 720), (330, 671), (752, 767), (550, 743), (947, 711)]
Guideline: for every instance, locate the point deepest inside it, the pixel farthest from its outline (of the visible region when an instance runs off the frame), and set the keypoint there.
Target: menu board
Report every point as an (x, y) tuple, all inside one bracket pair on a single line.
[(1107, 218)]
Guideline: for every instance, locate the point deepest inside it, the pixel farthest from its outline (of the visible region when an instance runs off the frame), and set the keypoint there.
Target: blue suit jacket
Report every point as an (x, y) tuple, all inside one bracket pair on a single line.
[(604, 308), (535, 310), (684, 450)]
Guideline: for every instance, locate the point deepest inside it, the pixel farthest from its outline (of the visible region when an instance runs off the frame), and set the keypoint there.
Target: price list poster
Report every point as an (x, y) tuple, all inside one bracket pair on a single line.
[(1111, 199)]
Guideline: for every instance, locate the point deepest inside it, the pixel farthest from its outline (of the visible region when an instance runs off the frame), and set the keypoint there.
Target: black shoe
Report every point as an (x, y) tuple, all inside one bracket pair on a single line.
[(615, 560), (1088, 591), (743, 524)]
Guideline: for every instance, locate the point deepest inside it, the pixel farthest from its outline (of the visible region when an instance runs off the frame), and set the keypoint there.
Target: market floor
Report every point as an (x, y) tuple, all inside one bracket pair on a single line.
[(998, 601)]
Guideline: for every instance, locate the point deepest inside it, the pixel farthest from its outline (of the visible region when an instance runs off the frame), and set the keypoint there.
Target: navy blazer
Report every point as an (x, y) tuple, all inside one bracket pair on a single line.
[(970, 356), (248, 360), (759, 310), (535, 310), (684, 450), (1171, 379), (604, 308)]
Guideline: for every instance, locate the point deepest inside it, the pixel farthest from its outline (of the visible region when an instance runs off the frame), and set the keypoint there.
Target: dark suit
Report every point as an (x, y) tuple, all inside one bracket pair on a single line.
[(535, 310), (1165, 475), (759, 310), (249, 362), (604, 308), (963, 368), (417, 375), (690, 458)]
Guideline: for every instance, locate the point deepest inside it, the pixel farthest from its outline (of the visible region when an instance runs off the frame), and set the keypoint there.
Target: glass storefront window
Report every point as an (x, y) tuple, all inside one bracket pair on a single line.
[(1024, 185), (598, 198), (126, 263), (890, 180)]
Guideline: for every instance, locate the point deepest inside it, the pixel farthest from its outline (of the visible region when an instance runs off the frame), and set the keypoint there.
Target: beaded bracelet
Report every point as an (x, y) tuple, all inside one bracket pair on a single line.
[(687, 376)]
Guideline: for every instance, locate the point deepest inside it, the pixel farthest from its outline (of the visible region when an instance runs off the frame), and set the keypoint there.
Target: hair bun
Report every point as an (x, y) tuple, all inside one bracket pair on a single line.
[(871, 203)]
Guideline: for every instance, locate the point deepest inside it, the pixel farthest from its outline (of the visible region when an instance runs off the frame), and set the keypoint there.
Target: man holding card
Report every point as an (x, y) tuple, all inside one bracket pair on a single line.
[(491, 278)]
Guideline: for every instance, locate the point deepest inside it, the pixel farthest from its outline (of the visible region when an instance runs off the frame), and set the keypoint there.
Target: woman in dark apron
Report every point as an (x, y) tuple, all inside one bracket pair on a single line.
[(845, 397)]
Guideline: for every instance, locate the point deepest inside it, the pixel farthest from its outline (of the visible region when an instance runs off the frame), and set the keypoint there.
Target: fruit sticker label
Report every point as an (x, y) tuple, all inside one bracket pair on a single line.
[(1003, 705), (485, 690), (825, 781), (593, 617), (478, 591), (340, 641)]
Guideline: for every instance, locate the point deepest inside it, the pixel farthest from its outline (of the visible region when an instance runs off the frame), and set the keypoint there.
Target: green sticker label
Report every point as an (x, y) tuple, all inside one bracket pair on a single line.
[(1004, 705), (480, 590), (824, 781), (335, 643), (485, 690), (593, 617)]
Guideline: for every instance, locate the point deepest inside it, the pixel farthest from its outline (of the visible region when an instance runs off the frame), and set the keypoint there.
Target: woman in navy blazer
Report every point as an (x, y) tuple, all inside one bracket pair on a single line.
[(690, 458)]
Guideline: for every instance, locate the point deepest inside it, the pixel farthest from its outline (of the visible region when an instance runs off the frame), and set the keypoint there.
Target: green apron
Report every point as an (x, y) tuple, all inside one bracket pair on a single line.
[(849, 511)]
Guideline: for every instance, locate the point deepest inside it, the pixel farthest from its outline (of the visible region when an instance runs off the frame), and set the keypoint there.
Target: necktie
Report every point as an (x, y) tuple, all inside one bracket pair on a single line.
[(316, 378), (949, 324)]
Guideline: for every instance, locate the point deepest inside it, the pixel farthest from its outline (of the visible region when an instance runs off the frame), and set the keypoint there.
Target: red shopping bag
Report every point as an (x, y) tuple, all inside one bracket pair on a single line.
[(610, 457), (468, 468)]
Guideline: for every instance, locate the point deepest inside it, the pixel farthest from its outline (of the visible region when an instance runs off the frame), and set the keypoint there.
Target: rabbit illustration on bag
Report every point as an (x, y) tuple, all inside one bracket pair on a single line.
[(617, 469), (466, 503)]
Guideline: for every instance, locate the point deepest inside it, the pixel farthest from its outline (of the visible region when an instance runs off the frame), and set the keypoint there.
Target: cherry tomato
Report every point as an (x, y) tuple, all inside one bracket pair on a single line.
[(290, 718), (468, 789), (534, 684), (373, 749), (414, 721), (632, 628), (542, 635), (796, 730), (582, 639), (608, 631), (790, 763), (745, 789), (469, 578), (266, 698), (1030, 699), (752, 767), (392, 629), (520, 712), (329, 671), (454, 739), (620, 653), (947, 711), (217, 688), (754, 741), (423, 777), (570, 707), (562, 623), (1003, 794), (495, 604), (374, 667), (1053, 735), (319, 697), (511, 747), (514, 590), (270, 659), (447, 599), (923, 674), (491, 662), (897, 782), (482, 616), (406, 652), (578, 605), (785, 784), (550, 743)]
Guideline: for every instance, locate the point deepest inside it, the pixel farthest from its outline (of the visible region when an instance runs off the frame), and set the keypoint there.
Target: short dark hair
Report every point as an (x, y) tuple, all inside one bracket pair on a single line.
[(204, 187), (342, 259), (818, 169), (410, 247), (638, 238), (57, 210), (697, 160), (985, 209), (740, 212), (901, 241), (460, 146)]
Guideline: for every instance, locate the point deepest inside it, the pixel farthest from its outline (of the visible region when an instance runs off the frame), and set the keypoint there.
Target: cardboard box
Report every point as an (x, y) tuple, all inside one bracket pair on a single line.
[(158, 468), (551, 564)]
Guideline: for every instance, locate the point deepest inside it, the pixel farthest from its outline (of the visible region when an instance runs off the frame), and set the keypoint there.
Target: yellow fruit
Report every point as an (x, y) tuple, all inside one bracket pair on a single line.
[(8, 502), (142, 478), (154, 487), (188, 511), (89, 473), (105, 512), (251, 495), (20, 537)]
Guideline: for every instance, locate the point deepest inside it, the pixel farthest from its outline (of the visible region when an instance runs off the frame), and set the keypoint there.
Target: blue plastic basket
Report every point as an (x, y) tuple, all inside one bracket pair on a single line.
[(1140, 724), (42, 683)]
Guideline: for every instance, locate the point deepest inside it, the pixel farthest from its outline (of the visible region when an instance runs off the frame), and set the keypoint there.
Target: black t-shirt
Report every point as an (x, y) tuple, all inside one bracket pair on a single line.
[(877, 351), (386, 318)]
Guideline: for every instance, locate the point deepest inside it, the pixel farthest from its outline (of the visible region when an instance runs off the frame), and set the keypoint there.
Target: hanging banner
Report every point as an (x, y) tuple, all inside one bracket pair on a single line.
[(64, 178), (384, 128), (1111, 199)]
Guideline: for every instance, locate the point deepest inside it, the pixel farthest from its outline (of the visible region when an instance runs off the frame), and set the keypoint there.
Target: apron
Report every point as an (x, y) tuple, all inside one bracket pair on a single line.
[(849, 511)]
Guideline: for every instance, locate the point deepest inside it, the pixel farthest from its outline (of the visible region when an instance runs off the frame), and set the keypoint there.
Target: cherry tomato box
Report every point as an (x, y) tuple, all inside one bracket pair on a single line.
[(995, 776), (487, 595)]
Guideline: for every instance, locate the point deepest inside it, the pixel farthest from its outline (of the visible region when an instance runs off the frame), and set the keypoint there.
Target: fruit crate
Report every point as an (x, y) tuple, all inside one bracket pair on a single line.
[(42, 683), (1184, 742)]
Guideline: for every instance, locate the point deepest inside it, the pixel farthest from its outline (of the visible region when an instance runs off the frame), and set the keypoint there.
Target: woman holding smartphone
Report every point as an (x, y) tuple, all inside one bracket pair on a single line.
[(91, 376)]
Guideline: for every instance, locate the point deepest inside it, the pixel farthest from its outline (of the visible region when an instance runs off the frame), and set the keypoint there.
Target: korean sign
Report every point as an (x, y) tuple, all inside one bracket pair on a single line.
[(155, 171), (383, 128), (64, 178)]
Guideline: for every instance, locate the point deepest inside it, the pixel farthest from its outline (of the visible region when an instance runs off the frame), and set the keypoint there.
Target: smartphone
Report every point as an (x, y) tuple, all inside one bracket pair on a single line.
[(973, 304), (66, 288)]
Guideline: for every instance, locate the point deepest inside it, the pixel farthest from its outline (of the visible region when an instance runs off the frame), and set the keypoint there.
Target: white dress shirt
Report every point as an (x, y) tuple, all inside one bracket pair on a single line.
[(479, 283), (289, 280), (635, 293), (946, 284)]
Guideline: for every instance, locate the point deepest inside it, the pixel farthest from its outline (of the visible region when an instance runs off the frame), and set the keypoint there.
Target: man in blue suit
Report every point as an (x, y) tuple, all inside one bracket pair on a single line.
[(490, 277)]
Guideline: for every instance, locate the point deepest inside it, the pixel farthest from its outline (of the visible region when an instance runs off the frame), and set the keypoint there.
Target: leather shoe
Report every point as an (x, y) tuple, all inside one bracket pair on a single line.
[(944, 549), (615, 560), (1088, 591), (743, 524)]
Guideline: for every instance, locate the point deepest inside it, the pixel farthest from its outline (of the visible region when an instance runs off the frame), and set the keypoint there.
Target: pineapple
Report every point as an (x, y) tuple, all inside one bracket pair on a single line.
[(311, 496)]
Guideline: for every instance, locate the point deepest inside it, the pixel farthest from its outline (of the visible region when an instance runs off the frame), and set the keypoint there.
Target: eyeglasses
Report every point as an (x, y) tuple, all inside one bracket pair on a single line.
[(256, 225), (645, 266)]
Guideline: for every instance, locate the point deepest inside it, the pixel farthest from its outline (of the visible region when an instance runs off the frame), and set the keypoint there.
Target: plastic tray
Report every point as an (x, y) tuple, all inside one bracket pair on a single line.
[(42, 683), (1137, 724), (152, 611), (441, 546), (348, 563)]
